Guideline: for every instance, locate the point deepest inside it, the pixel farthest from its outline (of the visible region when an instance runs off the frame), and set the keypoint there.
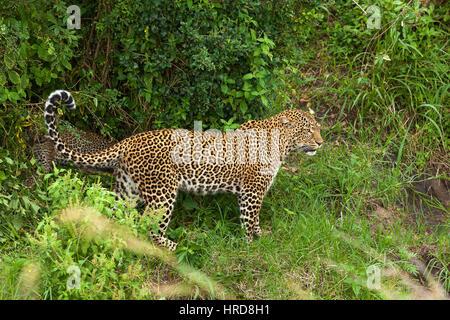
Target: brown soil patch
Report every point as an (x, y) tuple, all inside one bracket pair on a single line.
[(428, 199)]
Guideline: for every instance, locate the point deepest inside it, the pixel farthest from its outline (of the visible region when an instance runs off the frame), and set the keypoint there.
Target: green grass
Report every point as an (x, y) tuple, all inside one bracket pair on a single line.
[(311, 248), (323, 238)]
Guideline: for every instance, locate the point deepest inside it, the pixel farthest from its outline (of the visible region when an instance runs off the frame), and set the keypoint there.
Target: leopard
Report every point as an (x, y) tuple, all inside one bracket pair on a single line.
[(82, 141), (154, 166)]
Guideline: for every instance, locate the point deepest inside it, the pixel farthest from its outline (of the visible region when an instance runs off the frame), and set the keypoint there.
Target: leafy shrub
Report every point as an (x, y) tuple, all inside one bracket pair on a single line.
[(138, 65), (188, 60), (19, 207), (56, 246)]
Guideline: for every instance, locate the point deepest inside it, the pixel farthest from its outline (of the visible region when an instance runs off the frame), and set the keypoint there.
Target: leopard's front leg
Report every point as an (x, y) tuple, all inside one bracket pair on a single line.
[(250, 204)]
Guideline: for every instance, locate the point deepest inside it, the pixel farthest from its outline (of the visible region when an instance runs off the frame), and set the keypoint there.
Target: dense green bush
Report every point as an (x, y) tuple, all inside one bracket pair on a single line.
[(37, 52), (138, 65), (190, 61)]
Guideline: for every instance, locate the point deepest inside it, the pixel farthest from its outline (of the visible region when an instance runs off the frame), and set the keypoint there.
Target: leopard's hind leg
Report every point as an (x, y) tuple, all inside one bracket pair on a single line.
[(125, 188), (159, 192)]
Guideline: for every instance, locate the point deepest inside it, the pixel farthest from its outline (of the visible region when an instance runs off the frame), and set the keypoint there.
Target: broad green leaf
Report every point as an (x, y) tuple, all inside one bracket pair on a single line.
[(243, 106), (43, 53), (66, 64), (253, 33), (13, 96), (261, 74), (264, 101), (14, 77), (247, 86), (8, 61), (224, 88), (24, 82), (2, 79)]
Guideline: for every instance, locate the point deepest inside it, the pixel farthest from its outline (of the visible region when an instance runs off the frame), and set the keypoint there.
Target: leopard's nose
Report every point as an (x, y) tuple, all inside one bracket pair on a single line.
[(319, 144)]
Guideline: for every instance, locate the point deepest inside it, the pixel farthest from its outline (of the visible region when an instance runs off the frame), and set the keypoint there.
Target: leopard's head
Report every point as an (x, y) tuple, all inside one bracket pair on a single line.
[(304, 130)]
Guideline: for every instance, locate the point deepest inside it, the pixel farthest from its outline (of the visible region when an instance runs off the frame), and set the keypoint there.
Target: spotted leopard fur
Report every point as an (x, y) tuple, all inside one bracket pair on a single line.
[(80, 141), (153, 166)]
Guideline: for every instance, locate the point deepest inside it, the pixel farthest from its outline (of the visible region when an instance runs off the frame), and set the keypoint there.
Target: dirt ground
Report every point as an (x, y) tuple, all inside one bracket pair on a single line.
[(425, 202)]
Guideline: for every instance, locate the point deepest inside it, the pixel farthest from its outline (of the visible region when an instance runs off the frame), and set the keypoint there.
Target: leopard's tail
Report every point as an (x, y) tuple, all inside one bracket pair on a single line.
[(107, 158)]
